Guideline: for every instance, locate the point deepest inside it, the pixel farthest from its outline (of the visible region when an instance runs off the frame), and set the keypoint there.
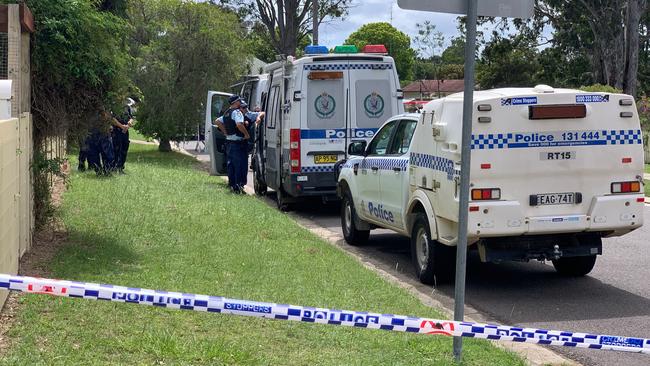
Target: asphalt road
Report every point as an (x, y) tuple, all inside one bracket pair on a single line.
[(613, 299)]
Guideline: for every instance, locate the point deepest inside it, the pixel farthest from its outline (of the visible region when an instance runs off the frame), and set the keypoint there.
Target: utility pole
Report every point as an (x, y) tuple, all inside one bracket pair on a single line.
[(314, 18)]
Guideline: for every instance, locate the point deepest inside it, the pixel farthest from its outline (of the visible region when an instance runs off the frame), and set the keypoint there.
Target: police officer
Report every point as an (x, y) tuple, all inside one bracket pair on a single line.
[(121, 135), (232, 125), (100, 144), (251, 120)]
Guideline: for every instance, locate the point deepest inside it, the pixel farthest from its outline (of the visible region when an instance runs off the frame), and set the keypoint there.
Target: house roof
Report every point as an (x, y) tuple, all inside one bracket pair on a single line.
[(431, 86)]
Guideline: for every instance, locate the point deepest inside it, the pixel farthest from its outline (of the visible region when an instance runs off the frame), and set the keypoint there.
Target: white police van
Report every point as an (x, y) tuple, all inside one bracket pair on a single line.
[(315, 106), (552, 172)]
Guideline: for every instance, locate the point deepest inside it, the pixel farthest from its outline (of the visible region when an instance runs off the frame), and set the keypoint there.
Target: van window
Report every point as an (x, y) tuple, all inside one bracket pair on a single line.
[(379, 144), (272, 107), (218, 106), (403, 136), (325, 104), (374, 102)]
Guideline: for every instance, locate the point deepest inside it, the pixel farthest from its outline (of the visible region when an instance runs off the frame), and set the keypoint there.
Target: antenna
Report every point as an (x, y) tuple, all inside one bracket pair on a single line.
[(391, 12)]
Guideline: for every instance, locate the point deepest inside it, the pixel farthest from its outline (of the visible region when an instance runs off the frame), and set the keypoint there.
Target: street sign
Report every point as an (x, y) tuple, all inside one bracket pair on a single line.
[(488, 8)]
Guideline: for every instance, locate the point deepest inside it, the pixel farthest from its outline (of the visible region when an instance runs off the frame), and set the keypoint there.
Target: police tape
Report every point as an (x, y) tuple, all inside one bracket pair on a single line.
[(399, 323)]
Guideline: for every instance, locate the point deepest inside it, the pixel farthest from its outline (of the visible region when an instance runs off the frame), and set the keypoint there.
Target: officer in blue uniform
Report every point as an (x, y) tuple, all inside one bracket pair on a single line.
[(232, 124), (251, 120)]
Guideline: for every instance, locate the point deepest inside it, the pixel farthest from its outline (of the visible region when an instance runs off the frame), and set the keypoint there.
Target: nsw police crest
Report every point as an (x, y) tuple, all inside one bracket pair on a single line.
[(325, 106), (374, 105)]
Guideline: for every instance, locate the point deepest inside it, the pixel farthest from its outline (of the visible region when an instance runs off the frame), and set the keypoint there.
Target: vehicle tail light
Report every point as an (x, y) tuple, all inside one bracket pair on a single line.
[(294, 150), (626, 160), (485, 194), (626, 187)]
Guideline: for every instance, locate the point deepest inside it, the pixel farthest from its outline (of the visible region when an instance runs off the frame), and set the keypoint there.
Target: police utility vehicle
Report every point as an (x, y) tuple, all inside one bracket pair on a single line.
[(552, 172), (315, 106)]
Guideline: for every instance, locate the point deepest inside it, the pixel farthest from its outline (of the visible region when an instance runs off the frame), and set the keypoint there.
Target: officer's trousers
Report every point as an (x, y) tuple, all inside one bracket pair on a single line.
[(237, 164), (101, 147), (120, 147)]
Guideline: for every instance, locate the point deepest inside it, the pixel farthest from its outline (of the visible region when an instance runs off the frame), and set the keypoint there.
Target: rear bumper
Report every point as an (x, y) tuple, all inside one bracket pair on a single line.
[(322, 184), (615, 215)]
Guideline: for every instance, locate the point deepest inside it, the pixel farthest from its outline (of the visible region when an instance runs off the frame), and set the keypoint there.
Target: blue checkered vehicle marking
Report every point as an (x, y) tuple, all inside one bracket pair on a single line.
[(399, 323), (317, 169), (384, 163), (434, 162), (329, 67), (516, 140)]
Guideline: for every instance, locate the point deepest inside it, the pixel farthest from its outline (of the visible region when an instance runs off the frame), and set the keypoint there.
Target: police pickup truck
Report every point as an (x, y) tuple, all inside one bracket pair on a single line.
[(552, 172)]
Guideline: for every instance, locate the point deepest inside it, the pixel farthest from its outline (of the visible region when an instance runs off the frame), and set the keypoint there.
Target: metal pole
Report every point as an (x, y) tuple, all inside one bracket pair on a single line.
[(314, 18), (463, 209)]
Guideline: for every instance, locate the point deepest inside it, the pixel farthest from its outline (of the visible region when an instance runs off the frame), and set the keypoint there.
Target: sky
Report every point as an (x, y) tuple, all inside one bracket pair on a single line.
[(369, 11)]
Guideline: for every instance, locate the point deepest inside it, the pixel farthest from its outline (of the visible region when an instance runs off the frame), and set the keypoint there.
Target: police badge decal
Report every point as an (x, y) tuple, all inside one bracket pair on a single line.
[(374, 105), (325, 106)]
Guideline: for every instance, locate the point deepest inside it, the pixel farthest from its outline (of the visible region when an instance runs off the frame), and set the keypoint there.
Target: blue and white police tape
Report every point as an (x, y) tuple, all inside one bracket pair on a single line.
[(399, 323)]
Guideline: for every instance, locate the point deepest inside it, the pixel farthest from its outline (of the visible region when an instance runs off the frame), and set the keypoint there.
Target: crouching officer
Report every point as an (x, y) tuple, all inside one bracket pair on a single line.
[(232, 124)]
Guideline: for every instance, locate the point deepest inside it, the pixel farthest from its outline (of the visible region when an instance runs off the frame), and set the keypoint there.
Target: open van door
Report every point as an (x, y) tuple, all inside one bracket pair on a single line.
[(215, 141)]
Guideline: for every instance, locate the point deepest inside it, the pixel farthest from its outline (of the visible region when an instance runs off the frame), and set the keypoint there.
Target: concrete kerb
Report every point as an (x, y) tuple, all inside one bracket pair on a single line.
[(532, 354)]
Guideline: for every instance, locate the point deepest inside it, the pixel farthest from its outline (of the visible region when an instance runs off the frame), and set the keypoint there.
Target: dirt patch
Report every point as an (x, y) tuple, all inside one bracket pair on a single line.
[(46, 242)]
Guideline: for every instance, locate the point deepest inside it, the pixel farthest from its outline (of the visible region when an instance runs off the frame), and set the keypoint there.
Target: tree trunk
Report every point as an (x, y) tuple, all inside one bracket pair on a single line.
[(633, 17), (165, 145)]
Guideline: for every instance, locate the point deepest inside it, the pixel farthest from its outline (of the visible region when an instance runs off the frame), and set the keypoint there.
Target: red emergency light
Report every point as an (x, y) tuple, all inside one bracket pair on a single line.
[(374, 48)]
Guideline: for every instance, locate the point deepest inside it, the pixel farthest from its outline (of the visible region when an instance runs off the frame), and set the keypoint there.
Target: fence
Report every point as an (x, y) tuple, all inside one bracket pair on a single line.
[(16, 197)]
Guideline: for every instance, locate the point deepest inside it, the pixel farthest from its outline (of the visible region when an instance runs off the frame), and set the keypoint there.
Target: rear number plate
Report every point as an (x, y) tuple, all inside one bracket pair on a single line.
[(556, 199), (325, 159)]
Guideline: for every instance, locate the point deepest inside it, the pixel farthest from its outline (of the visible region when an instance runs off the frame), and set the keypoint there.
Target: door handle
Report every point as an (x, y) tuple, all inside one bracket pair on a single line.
[(374, 168), (397, 169)]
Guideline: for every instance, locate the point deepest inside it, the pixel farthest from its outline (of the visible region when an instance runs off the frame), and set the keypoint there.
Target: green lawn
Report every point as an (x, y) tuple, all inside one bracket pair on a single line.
[(647, 168), (135, 135), (167, 225), (647, 187)]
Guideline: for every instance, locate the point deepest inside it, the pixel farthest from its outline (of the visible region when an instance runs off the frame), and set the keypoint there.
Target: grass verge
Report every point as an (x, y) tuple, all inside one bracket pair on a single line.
[(167, 225)]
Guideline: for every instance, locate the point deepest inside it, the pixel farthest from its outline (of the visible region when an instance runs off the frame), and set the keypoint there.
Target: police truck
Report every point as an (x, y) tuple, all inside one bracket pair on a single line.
[(553, 171), (315, 106)]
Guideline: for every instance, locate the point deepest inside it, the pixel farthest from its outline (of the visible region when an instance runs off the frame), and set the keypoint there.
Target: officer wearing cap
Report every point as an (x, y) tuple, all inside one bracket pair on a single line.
[(232, 125)]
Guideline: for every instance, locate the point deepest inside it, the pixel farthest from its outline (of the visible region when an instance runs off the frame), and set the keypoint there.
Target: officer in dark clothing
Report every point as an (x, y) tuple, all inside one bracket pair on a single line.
[(121, 137), (100, 144), (232, 125)]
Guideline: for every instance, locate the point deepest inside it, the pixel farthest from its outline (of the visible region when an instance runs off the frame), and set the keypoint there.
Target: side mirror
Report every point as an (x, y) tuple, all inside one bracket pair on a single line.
[(357, 148)]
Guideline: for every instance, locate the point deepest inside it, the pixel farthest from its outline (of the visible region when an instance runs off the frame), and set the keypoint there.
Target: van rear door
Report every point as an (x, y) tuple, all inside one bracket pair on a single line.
[(373, 96), (216, 105), (557, 154), (324, 115)]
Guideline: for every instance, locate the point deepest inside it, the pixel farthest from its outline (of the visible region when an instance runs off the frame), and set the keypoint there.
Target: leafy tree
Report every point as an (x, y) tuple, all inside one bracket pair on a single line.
[(397, 42), (612, 25), (455, 53), (288, 22), (507, 62), (428, 40), (452, 71), (180, 56)]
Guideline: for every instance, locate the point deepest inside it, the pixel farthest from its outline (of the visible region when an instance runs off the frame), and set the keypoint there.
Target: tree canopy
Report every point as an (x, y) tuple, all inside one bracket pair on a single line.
[(397, 42), (180, 55)]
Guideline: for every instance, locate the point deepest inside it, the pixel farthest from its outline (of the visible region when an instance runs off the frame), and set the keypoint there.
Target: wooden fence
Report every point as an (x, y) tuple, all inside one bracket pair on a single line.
[(16, 196)]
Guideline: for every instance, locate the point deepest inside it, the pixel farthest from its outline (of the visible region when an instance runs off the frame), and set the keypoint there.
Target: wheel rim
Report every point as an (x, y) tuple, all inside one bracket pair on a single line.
[(348, 217), (422, 247)]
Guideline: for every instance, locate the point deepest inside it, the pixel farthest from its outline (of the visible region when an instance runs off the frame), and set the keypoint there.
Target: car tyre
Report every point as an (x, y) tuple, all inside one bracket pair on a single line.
[(351, 233), (434, 262), (281, 200), (259, 186), (574, 266)]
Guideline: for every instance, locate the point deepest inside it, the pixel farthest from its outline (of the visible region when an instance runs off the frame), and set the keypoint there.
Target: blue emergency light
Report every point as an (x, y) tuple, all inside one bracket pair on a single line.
[(316, 50)]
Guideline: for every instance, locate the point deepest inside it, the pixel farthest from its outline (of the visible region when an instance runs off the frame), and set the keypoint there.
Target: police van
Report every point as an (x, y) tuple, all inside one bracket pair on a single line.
[(315, 106), (552, 172)]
